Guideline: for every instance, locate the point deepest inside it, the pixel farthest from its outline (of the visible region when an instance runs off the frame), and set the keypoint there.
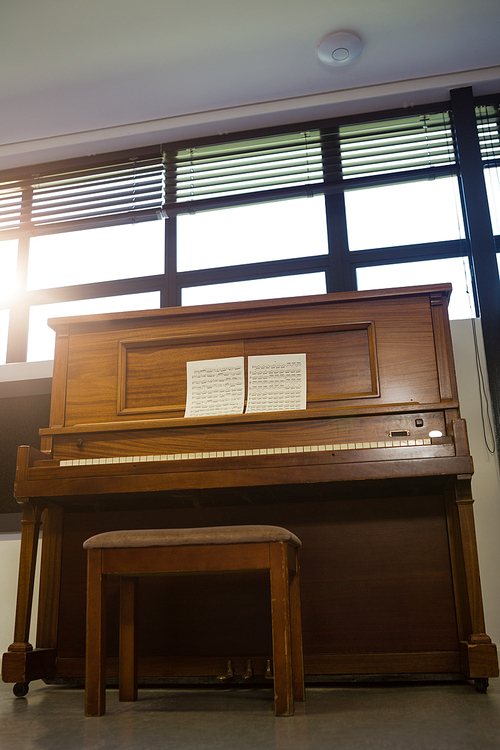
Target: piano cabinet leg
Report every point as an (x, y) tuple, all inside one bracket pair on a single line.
[(22, 663), (481, 684), (30, 528), (479, 656), (50, 577)]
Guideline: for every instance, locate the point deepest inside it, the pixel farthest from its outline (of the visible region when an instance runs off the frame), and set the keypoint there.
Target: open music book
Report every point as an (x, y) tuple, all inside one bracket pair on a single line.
[(217, 386)]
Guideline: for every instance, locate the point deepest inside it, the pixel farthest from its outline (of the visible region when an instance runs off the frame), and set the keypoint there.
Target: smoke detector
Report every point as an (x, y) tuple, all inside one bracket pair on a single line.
[(341, 48)]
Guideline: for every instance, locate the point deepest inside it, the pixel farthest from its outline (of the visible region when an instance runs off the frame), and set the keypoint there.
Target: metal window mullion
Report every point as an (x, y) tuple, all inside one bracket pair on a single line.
[(94, 290), (408, 253), (170, 290), (484, 267), (251, 271), (339, 274)]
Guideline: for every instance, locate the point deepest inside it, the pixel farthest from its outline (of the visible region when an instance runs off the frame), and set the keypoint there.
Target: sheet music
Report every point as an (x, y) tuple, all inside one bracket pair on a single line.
[(215, 386), (276, 382)]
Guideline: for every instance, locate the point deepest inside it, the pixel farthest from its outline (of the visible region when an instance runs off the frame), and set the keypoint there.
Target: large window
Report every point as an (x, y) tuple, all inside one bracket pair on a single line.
[(327, 206)]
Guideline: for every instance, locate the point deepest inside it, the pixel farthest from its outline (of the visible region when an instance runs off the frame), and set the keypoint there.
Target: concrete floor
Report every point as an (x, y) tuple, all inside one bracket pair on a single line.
[(418, 716)]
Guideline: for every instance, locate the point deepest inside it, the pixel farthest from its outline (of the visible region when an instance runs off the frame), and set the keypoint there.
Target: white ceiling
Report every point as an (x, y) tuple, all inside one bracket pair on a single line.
[(100, 74)]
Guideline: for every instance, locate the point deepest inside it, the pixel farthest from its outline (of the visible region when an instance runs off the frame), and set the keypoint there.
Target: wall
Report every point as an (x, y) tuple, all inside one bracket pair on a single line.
[(486, 487), (486, 481)]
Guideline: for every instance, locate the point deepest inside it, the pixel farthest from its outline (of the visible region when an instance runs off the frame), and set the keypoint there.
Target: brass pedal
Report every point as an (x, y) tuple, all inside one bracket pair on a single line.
[(248, 673), (268, 674), (229, 672)]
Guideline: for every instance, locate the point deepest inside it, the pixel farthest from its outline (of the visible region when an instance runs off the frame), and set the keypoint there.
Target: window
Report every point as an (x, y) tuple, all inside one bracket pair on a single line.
[(488, 125), (328, 206), (91, 255), (4, 328), (252, 234), (41, 338), (238, 291), (444, 270), (410, 213), (8, 261)]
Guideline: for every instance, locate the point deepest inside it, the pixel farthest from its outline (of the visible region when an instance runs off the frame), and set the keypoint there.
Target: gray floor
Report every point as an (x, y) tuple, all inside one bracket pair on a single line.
[(392, 717)]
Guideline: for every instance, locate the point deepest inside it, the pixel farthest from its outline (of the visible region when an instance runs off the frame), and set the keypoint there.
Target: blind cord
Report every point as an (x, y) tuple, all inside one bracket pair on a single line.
[(489, 440)]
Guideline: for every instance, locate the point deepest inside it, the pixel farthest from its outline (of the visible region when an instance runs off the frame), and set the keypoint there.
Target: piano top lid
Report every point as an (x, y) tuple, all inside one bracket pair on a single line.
[(441, 289)]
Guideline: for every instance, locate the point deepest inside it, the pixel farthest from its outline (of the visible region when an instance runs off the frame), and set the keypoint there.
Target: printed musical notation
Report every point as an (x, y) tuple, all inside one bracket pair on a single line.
[(217, 386), (276, 382)]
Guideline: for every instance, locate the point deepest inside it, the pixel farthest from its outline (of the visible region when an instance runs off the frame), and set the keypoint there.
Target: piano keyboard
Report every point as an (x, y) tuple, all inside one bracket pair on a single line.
[(333, 448)]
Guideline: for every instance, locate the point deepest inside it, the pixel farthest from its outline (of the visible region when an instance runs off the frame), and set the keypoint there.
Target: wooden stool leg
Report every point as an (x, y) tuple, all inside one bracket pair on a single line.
[(299, 693), (95, 661), (127, 669), (280, 618)]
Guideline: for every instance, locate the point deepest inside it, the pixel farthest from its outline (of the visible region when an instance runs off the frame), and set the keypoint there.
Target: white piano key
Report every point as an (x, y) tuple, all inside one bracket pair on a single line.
[(335, 447)]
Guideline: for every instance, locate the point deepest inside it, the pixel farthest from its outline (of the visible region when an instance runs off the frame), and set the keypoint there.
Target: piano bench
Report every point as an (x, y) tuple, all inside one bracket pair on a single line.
[(129, 554)]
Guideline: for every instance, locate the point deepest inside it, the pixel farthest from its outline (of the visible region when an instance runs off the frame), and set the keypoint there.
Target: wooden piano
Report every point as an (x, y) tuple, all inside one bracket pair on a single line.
[(374, 476)]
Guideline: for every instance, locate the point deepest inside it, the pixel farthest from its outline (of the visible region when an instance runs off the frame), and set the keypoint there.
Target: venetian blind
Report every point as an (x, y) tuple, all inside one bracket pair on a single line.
[(488, 128), (77, 195), (122, 188)]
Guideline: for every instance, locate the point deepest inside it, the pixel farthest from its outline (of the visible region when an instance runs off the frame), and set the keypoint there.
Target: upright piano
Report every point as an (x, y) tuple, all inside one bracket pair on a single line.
[(374, 476)]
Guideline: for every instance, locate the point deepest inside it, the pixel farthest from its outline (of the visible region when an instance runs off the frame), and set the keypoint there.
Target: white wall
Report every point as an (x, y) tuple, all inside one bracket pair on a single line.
[(9, 562), (486, 487), (486, 480)]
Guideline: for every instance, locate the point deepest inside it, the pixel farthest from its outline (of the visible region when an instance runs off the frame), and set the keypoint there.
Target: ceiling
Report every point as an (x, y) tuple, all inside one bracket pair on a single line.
[(90, 76)]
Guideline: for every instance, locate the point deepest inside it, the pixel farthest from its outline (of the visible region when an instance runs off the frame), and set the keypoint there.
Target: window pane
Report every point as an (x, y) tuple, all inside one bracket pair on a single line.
[(492, 178), (8, 264), (41, 338), (404, 214), (4, 329), (117, 252), (239, 291), (252, 234), (453, 270)]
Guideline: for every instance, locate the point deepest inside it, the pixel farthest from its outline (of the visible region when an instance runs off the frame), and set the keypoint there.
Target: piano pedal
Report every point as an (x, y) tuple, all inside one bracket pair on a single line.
[(268, 674), (229, 672), (248, 673)]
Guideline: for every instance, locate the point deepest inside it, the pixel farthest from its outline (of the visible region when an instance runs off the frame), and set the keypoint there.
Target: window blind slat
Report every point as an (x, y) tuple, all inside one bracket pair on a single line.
[(488, 128), (130, 186), (250, 170)]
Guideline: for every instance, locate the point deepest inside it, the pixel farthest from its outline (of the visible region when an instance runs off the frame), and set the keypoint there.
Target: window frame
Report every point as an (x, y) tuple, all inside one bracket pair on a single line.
[(339, 265)]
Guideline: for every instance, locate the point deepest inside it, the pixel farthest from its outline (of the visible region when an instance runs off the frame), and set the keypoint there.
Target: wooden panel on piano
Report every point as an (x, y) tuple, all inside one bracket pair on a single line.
[(362, 349)]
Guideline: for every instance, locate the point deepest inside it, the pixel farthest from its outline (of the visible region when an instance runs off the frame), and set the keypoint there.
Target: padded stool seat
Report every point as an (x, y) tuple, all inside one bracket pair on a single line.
[(132, 553)]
